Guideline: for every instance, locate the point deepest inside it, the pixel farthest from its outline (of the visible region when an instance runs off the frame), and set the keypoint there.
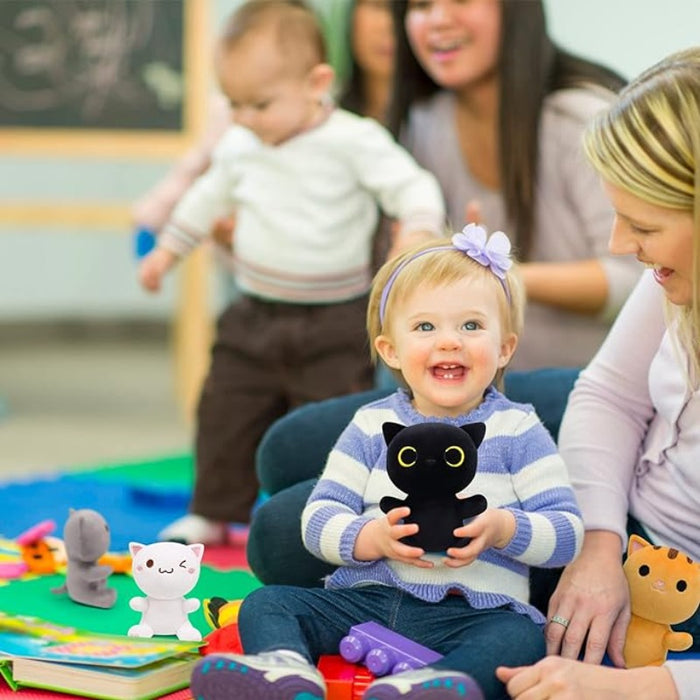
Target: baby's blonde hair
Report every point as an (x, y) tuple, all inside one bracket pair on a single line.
[(648, 143), (443, 266), (297, 31)]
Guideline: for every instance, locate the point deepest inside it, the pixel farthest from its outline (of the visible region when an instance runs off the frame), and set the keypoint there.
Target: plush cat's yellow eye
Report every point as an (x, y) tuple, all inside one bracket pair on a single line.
[(408, 456), (454, 456)]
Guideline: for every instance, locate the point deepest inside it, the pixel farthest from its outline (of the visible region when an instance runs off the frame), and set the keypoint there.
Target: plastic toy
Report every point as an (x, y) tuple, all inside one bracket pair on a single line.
[(224, 640), (40, 553), (36, 552), (36, 549), (344, 681), (165, 572), (144, 242), (664, 590), (12, 569), (431, 463), (219, 612), (222, 617), (86, 538), (120, 563), (384, 651)]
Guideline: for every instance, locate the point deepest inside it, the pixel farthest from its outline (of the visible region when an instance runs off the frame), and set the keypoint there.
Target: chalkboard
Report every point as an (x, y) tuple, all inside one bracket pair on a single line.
[(94, 65)]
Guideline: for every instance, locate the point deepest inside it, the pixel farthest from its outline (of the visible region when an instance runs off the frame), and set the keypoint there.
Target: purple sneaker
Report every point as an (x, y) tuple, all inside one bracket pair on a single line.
[(424, 684), (270, 675)]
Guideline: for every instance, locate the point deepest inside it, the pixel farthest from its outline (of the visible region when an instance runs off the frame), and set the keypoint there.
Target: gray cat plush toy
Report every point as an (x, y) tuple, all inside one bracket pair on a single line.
[(86, 538), (431, 463)]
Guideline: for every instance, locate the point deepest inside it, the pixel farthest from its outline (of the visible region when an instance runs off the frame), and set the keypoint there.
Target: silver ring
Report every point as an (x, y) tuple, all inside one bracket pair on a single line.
[(560, 620)]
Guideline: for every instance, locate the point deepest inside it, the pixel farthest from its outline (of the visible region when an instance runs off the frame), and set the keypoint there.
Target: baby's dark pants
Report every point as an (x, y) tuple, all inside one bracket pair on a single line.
[(268, 357)]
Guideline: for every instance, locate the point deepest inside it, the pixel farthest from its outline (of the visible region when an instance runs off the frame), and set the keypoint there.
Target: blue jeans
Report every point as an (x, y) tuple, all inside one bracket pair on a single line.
[(312, 621)]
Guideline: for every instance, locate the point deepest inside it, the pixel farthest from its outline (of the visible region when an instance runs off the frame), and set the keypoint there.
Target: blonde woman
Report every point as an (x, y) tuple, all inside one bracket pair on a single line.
[(631, 430)]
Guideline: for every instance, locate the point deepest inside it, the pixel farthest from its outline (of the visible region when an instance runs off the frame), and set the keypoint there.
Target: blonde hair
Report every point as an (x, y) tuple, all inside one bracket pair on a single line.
[(648, 143), (297, 31), (445, 265)]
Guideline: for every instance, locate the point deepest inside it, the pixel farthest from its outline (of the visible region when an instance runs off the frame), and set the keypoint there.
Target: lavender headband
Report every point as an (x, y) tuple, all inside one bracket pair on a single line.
[(492, 252)]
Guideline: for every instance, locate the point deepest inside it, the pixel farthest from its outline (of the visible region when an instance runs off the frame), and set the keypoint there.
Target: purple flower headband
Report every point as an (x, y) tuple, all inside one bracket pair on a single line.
[(492, 252)]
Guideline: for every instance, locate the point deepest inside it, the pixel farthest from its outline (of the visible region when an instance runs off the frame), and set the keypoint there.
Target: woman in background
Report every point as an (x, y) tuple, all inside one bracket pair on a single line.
[(486, 101), (371, 38)]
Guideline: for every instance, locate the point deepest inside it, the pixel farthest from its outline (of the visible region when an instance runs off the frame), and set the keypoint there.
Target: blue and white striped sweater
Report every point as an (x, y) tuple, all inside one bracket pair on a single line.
[(519, 469)]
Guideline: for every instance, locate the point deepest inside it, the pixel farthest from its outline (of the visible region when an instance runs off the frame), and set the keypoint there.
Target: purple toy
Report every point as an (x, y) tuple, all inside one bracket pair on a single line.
[(383, 651)]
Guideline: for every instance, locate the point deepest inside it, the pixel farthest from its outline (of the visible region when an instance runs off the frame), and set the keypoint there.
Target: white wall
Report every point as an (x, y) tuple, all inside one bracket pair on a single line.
[(628, 35), (49, 272)]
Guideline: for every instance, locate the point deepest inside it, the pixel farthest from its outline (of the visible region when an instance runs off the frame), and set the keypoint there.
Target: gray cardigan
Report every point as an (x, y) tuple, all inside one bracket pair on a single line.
[(573, 215)]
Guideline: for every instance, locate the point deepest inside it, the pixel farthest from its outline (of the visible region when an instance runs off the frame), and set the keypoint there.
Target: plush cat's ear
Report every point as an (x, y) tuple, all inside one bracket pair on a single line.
[(636, 542), (135, 548), (391, 430), (476, 432), (198, 550)]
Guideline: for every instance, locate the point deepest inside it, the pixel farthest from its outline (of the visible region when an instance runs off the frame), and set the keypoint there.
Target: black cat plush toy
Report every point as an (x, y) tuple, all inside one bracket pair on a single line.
[(431, 462)]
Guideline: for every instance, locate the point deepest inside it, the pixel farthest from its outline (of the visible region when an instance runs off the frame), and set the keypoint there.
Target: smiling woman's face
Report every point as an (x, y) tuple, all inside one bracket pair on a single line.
[(659, 237), (456, 41)]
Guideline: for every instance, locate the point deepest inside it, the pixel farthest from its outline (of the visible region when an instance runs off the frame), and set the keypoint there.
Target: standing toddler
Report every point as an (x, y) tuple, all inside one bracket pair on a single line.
[(306, 181)]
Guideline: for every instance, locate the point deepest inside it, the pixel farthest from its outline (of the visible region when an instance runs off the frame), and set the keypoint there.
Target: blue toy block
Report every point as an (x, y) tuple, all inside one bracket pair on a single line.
[(383, 651), (144, 242)]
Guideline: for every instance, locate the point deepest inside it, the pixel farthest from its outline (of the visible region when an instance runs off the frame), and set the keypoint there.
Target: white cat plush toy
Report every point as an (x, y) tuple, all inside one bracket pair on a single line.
[(165, 572)]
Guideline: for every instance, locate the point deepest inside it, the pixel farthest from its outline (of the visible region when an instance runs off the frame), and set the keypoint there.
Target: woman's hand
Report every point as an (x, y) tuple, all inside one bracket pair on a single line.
[(381, 537), (554, 678), (593, 595), (494, 527)]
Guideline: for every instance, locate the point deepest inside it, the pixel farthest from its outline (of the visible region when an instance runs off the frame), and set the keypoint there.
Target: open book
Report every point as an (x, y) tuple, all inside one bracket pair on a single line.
[(41, 654)]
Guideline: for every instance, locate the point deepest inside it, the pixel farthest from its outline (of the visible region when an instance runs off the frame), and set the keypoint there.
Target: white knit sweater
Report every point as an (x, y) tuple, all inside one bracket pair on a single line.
[(307, 209)]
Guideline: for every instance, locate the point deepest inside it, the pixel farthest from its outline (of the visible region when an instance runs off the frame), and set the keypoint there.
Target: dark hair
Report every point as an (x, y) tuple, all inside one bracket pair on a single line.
[(531, 66), (352, 96)]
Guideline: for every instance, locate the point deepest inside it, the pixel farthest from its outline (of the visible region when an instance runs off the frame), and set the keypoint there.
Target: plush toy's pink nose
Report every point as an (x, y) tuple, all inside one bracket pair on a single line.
[(659, 585)]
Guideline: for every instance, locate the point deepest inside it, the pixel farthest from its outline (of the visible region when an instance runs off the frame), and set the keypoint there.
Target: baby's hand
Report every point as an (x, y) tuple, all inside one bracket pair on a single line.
[(494, 527), (153, 268), (381, 538)]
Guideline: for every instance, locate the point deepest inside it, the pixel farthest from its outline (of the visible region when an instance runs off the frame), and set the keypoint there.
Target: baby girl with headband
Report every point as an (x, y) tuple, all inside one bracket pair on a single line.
[(445, 318)]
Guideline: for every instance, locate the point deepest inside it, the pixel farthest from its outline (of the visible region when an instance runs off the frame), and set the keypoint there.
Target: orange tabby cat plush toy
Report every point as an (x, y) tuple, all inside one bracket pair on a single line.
[(664, 590)]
